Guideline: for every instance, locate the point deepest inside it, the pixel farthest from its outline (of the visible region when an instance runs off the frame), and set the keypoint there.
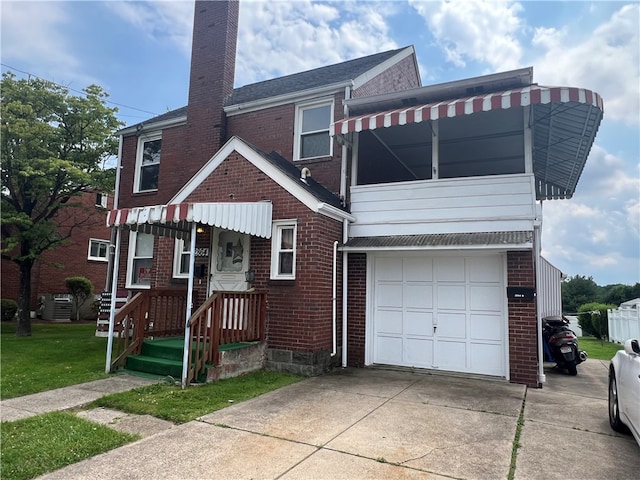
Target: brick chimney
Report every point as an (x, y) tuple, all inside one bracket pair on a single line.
[(213, 58)]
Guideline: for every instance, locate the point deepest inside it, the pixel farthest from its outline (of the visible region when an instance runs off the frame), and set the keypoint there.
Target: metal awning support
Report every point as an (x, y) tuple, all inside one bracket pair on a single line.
[(187, 327), (112, 309)]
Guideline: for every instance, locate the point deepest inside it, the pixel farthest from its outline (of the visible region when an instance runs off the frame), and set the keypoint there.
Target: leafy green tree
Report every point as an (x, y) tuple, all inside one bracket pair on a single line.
[(54, 147), (81, 289), (593, 319), (577, 291), (619, 293)]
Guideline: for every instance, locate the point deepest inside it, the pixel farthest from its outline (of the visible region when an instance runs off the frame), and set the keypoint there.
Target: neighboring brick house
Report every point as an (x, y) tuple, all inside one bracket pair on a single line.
[(389, 223), (85, 255)]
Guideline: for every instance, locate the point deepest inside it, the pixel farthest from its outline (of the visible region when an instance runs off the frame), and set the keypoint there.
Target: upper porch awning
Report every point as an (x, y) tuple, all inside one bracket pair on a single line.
[(564, 122), (174, 220)]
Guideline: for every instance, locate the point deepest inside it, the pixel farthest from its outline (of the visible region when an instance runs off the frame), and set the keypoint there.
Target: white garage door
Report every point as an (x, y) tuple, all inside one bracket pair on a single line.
[(445, 313)]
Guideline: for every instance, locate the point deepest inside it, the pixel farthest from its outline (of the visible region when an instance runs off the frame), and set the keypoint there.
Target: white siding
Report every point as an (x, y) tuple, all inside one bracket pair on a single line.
[(459, 205)]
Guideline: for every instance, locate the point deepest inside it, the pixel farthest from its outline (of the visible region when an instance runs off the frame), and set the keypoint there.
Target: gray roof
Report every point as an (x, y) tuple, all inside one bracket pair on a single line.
[(484, 239), (339, 72), (297, 82)]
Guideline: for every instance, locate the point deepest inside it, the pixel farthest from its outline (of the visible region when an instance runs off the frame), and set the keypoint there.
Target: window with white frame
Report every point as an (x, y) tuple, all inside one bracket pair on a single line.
[(140, 260), (101, 200), (98, 250), (181, 258), (148, 162), (283, 250), (312, 138)]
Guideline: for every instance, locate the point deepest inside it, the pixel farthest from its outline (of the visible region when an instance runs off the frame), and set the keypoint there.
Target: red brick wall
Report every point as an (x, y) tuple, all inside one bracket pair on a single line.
[(523, 346), (49, 273), (356, 308), (401, 76), (300, 310)]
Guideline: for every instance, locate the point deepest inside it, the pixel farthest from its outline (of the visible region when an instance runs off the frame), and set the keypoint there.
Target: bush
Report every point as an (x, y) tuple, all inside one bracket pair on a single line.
[(593, 319), (81, 289), (9, 309)]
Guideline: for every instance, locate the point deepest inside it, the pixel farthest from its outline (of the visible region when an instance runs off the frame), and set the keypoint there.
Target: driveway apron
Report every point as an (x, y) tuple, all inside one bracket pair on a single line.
[(377, 423)]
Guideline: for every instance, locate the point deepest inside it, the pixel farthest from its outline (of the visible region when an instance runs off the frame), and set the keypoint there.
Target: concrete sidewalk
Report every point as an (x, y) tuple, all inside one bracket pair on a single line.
[(374, 423), (67, 398)]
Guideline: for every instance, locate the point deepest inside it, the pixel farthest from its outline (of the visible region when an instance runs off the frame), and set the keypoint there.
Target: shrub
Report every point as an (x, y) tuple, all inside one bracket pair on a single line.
[(9, 309), (593, 319), (81, 289)]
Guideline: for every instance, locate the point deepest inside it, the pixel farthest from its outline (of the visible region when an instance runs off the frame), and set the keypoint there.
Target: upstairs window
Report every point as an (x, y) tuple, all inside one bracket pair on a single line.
[(148, 163), (312, 138), (98, 250), (283, 250)]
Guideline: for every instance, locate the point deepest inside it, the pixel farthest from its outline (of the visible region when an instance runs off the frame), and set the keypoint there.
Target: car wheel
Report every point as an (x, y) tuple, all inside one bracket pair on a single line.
[(614, 412)]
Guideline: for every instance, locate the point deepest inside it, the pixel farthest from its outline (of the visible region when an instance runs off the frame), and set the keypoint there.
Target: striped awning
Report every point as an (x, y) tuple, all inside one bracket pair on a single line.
[(519, 97), (175, 220), (564, 123)]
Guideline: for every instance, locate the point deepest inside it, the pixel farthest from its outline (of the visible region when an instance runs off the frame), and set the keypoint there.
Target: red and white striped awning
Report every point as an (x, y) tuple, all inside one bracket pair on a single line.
[(174, 220), (519, 97)]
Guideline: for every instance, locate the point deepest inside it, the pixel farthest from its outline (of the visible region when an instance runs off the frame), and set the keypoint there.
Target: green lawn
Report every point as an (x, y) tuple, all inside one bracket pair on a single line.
[(598, 349), (170, 402), (56, 355), (37, 445)]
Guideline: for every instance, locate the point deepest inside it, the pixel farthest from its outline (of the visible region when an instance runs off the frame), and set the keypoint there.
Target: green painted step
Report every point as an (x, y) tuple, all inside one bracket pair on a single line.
[(154, 365)]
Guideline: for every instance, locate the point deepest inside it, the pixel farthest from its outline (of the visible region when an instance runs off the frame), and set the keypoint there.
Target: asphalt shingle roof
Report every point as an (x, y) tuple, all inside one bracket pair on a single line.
[(339, 72)]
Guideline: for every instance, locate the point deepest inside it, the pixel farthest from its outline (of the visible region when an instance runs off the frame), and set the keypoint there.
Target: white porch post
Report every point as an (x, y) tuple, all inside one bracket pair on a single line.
[(114, 293), (187, 328)]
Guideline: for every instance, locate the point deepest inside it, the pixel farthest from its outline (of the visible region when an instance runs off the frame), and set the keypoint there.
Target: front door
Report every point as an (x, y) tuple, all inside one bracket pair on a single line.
[(229, 261)]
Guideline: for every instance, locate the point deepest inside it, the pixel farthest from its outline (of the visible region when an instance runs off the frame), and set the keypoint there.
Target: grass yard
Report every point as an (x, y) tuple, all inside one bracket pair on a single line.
[(598, 349), (170, 402), (56, 355), (37, 445)]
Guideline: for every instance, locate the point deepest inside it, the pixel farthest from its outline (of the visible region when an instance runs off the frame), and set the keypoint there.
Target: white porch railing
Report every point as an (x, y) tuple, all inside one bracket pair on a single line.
[(624, 323)]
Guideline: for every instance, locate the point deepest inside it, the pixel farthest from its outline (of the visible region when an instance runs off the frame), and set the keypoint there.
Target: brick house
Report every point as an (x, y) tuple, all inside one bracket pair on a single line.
[(85, 255), (384, 222)]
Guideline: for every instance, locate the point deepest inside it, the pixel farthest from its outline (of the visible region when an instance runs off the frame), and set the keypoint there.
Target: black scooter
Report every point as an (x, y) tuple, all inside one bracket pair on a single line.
[(561, 344)]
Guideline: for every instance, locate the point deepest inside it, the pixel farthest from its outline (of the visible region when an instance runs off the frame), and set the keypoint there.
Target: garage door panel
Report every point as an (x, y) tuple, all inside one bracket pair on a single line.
[(389, 295), (418, 323), (487, 358), (387, 268), (452, 325), (389, 322), (484, 269), (485, 327), (451, 355), (389, 350), (418, 296), (485, 297), (418, 352), (451, 297), (449, 269), (418, 269)]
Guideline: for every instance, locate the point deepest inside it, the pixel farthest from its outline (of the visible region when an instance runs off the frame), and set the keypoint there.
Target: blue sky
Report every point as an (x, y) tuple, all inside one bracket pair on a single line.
[(139, 52)]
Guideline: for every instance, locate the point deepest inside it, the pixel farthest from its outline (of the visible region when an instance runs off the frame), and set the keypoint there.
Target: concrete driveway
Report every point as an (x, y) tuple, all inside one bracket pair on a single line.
[(375, 423)]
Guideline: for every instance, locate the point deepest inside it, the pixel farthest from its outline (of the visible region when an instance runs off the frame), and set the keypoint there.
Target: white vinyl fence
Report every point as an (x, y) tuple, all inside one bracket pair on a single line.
[(624, 322)]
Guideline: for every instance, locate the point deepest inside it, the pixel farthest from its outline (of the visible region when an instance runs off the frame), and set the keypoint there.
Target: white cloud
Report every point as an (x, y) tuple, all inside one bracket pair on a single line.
[(41, 47), (606, 61), (279, 38), (597, 231), (166, 22), (475, 30)]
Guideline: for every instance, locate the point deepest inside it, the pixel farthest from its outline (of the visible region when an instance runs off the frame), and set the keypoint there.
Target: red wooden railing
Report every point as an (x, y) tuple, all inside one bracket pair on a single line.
[(225, 318), (151, 313)]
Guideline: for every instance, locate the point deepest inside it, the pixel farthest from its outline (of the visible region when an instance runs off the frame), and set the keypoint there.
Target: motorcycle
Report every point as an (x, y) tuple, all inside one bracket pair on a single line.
[(561, 344)]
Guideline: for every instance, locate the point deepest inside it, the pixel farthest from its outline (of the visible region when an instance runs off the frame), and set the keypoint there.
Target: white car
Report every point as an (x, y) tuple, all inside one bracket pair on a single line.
[(624, 389)]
